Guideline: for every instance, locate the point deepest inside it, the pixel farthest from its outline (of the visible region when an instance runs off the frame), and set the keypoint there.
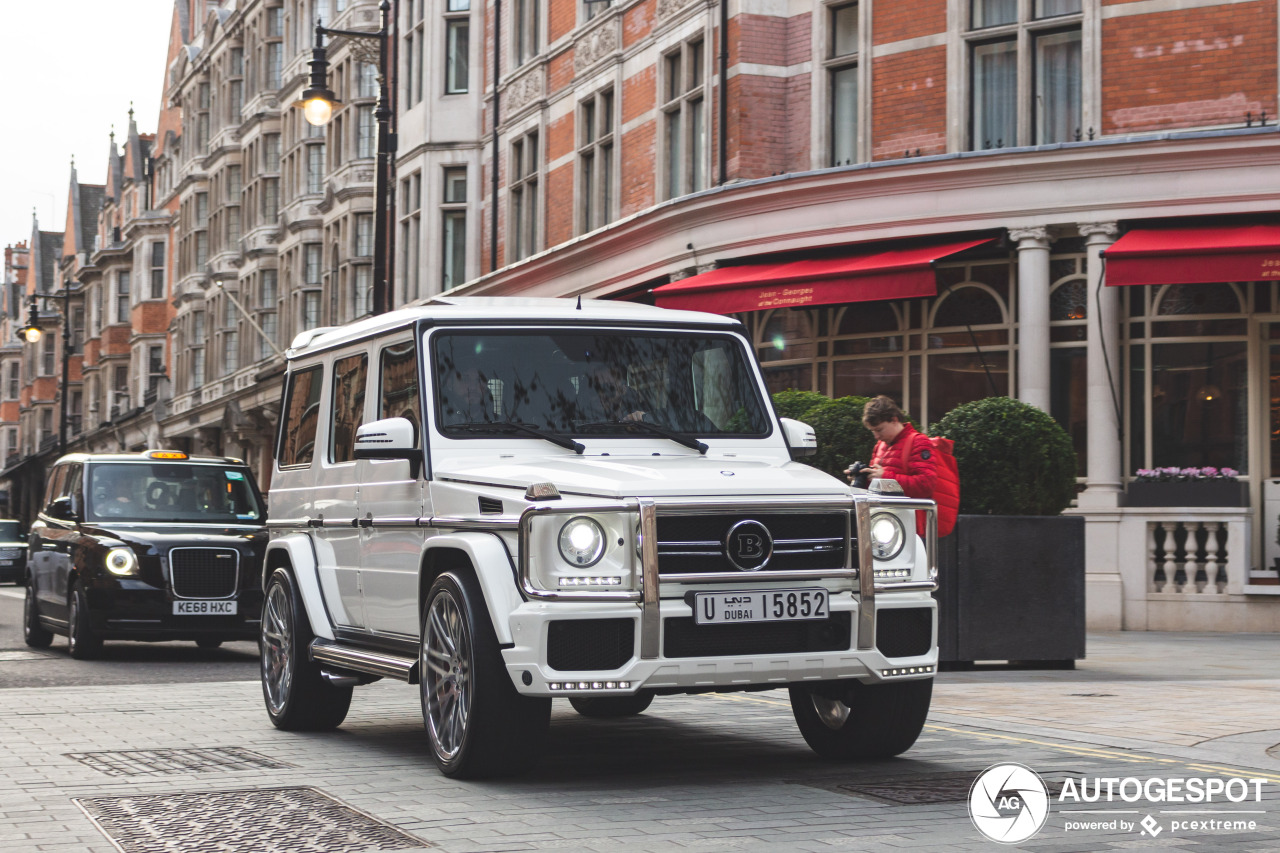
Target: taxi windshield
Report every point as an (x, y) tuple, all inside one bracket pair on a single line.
[(197, 494), (590, 383)]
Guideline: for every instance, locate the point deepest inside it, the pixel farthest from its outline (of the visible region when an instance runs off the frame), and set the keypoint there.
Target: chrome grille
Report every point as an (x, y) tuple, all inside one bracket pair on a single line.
[(204, 572), (807, 541)]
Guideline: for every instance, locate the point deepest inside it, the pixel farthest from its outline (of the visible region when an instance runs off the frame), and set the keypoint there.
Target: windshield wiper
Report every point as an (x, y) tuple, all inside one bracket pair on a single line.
[(678, 437), (527, 429)]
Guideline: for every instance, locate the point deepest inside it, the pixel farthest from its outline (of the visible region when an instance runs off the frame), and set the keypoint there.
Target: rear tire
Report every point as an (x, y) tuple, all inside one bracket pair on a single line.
[(477, 723), (297, 695), (844, 720), (36, 635), (82, 642), (609, 707)]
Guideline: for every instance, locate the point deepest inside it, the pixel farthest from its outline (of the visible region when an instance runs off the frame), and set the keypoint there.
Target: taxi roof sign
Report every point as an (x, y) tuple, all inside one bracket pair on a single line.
[(165, 454)]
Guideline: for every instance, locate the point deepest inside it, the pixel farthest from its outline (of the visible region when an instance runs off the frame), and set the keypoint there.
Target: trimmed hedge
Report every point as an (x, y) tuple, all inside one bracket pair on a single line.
[(793, 404), (1014, 459), (842, 438)]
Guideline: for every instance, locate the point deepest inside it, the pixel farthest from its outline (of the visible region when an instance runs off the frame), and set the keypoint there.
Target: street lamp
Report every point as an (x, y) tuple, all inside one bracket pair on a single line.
[(32, 332), (318, 102)]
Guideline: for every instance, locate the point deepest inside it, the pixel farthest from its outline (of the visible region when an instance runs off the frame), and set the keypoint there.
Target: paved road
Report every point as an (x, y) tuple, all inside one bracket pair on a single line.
[(158, 753)]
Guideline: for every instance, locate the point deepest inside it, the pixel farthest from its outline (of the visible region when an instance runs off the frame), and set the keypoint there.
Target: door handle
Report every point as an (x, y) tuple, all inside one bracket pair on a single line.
[(315, 522), (365, 522)]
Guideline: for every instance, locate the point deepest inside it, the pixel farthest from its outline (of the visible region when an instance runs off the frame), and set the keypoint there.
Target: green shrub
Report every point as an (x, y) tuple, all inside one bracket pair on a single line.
[(1014, 459), (841, 436), (793, 404)]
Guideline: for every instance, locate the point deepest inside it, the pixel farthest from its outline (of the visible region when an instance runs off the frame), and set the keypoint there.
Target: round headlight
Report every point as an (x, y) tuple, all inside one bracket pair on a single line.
[(887, 536), (582, 542), (121, 561)]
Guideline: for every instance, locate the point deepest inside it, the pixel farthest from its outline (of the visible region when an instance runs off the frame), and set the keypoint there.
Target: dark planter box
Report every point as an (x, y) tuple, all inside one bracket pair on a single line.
[(1187, 493), (1011, 588)]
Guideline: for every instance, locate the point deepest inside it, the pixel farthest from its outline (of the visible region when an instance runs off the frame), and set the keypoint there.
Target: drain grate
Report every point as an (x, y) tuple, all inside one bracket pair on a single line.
[(163, 762), (274, 820), (927, 789)]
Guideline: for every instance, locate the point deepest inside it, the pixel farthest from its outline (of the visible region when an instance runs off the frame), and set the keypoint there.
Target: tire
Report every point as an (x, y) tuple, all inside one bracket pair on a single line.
[(81, 641), (843, 720), (36, 635), (605, 707), (477, 723), (208, 642), (296, 693)]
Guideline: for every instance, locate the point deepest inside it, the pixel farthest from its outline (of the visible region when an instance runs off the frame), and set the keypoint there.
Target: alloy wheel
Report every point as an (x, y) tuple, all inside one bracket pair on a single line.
[(277, 647), (446, 681), (832, 712)]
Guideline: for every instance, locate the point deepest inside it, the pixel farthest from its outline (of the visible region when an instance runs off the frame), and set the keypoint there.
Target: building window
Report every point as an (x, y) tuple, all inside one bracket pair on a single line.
[(315, 167), (842, 68), (1039, 41), (274, 60), (413, 49), (202, 118), (362, 291), (592, 8), (48, 355), (197, 349), (267, 316), (122, 297), (312, 258), (14, 385), (155, 368), (596, 161), (684, 117), (235, 85), (230, 352), (366, 131), (363, 235), (271, 153), (453, 215), (157, 270), (310, 309), (457, 46), (525, 36), (410, 233), (523, 194)]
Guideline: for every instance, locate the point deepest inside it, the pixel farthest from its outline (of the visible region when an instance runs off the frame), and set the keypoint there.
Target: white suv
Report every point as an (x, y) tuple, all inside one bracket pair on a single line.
[(507, 501)]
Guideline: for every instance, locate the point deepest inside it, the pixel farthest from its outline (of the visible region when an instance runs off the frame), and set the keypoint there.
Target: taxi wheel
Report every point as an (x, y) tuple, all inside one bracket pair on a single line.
[(297, 695), (844, 720), (612, 706), (478, 724), (36, 635), (82, 642)]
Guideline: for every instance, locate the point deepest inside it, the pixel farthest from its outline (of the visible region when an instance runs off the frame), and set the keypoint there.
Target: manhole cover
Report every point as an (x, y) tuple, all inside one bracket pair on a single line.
[(160, 762), (275, 820), (927, 789), (6, 657)]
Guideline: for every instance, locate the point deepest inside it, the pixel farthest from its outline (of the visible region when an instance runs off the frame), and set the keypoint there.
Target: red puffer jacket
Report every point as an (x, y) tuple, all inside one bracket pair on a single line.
[(910, 461)]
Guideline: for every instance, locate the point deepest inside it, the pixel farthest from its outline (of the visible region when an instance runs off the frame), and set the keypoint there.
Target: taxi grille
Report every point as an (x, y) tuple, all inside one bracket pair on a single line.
[(801, 541), (204, 572)]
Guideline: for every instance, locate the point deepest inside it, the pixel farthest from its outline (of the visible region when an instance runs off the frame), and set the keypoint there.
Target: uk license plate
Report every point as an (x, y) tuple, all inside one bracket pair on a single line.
[(196, 607), (766, 605)]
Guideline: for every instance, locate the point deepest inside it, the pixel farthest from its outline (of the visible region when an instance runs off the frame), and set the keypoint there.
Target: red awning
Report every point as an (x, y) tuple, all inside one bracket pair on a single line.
[(863, 277), (1195, 255)]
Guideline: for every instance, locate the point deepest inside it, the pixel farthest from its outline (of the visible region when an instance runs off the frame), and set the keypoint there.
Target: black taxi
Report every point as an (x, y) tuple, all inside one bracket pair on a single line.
[(156, 545)]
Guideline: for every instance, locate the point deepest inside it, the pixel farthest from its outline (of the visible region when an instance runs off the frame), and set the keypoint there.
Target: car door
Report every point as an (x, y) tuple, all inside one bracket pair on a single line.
[(339, 481), (392, 498), (56, 538)]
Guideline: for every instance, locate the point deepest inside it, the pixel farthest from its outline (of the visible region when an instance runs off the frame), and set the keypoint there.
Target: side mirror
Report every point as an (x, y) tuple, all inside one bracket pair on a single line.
[(389, 438), (63, 509), (800, 437)]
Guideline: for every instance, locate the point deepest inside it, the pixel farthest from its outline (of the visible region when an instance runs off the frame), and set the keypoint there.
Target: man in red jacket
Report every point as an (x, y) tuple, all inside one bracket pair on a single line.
[(901, 453)]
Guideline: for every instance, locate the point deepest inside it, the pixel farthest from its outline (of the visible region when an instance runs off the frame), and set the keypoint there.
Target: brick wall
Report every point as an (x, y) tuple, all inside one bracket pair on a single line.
[(637, 22), (637, 160), (560, 71), (562, 16), (909, 103), (907, 19), (1188, 68)]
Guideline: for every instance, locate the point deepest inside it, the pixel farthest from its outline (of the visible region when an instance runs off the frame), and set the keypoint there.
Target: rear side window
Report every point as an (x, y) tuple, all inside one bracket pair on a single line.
[(53, 488), (399, 383), (301, 418), (349, 376)]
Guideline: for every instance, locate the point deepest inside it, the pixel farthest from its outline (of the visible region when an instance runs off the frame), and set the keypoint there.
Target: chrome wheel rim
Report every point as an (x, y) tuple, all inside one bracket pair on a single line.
[(446, 681), (832, 712), (28, 612), (277, 645), (73, 618)]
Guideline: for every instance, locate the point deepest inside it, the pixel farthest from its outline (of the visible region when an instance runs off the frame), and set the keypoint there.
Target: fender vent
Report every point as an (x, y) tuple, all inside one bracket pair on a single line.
[(490, 506)]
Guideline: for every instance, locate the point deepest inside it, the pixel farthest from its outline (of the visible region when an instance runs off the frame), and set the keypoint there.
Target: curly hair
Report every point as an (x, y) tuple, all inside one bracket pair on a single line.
[(881, 409)]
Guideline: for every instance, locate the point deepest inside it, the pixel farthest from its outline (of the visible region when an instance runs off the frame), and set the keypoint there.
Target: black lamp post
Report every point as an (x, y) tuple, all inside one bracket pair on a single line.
[(32, 332), (317, 104)]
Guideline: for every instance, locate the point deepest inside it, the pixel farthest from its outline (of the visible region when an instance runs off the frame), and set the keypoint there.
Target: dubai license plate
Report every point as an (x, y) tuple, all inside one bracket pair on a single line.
[(197, 607), (766, 605)]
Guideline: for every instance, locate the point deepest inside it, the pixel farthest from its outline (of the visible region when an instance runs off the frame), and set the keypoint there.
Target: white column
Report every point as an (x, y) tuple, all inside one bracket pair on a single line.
[(1105, 390), (1033, 315)]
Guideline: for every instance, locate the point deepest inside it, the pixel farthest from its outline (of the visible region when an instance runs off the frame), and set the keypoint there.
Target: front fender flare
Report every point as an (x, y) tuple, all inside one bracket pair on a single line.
[(492, 565), (296, 549)]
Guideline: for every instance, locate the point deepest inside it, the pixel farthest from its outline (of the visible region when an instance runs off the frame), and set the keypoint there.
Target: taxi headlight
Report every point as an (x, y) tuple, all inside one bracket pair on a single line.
[(887, 536), (581, 542), (121, 562)]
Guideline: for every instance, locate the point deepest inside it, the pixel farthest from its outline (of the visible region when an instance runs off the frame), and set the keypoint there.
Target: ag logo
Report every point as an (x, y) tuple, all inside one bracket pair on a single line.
[(1008, 803), (748, 545)]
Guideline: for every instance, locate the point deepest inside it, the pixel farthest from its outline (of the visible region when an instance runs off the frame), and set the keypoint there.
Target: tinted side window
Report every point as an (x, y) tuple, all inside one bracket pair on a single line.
[(53, 486), (301, 418), (349, 376), (71, 486), (399, 383)]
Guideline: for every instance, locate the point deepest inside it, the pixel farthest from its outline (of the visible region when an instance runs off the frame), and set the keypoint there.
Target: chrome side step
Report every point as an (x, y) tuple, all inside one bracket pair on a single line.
[(385, 664)]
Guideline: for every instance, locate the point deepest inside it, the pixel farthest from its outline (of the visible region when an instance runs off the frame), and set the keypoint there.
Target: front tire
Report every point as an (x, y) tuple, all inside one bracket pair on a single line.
[(612, 707), (82, 642), (844, 720), (297, 695), (478, 724), (36, 635)]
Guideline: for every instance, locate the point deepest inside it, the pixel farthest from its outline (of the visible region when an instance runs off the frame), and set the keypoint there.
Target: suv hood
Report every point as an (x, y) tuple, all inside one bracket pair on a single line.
[(653, 476)]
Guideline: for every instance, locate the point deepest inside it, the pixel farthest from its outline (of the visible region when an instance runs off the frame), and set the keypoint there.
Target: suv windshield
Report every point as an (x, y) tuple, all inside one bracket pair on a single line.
[(595, 383), (11, 531), (201, 494)]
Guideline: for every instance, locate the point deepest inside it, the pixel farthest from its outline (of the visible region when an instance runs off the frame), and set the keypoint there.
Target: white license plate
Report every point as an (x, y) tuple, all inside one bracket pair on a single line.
[(204, 608), (767, 605)]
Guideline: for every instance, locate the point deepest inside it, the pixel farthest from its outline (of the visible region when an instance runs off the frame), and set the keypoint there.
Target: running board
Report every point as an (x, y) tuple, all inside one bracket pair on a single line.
[(385, 664)]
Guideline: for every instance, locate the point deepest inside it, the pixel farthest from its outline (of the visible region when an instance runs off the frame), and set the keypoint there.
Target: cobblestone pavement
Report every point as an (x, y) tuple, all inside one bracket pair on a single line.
[(707, 772)]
